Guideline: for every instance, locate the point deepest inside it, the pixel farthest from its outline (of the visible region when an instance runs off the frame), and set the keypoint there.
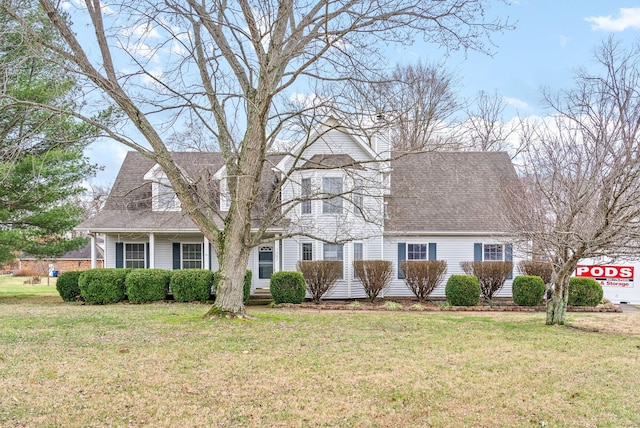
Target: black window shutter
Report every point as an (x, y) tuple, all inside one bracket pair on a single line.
[(210, 248), (148, 248), (176, 255), (477, 252), (119, 254), (402, 255), (433, 254)]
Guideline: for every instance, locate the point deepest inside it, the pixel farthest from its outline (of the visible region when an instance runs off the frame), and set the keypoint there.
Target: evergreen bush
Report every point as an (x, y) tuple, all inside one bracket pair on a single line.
[(287, 287), (147, 285), (584, 292), (191, 285), (102, 286), (462, 290), (528, 290), (67, 286)]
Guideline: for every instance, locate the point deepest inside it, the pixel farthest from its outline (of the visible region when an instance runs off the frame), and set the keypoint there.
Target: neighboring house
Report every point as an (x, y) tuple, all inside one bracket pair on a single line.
[(72, 261), (345, 198)]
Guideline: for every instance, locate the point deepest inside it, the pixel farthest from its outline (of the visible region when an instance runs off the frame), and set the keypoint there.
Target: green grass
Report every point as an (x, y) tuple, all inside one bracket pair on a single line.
[(68, 365), (14, 288)]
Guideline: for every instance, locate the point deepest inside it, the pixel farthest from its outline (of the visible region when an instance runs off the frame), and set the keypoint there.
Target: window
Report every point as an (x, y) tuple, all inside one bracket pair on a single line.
[(333, 252), (191, 256), (416, 251), (165, 199), (304, 194), (493, 252), (265, 262), (134, 256), (358, 254), (358, 197), (332, 186), (307, 251)]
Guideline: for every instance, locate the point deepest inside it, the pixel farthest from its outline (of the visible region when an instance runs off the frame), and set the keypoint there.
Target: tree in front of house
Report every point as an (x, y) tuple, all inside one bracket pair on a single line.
[(248, 72), (42, 165), (581, 175)]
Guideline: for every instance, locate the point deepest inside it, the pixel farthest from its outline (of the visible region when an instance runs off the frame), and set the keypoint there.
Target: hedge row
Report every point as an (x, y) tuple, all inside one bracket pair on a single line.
[(103, 286)]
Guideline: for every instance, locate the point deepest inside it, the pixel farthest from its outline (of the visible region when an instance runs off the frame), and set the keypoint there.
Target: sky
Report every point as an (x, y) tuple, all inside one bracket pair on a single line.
[(551, 39)]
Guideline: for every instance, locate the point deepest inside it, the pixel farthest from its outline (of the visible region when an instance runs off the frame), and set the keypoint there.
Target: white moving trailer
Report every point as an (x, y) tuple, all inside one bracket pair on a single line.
[(620, 281)]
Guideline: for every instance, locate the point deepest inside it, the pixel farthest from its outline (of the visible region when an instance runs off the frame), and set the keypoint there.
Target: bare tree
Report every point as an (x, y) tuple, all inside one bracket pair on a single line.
[(418, 103), (486, 128), (232, 65), (581, 178)]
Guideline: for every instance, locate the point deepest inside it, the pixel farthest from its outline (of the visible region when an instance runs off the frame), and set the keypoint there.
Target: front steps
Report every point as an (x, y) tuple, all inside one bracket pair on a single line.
[(260, 297)]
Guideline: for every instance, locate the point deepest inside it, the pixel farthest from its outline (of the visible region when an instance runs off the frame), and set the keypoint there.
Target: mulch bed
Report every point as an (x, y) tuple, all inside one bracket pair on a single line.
[(499, 305)]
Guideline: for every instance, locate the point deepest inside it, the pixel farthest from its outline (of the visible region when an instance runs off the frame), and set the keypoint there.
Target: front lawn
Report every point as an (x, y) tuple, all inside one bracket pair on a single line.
[(73, 365)]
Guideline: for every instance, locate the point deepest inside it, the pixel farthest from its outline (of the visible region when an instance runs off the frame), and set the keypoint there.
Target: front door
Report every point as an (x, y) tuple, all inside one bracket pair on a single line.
[(265, 265)]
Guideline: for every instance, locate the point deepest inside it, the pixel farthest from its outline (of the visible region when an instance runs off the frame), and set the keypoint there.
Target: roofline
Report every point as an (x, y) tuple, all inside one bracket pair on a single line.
[(445, 233), (158, 231)]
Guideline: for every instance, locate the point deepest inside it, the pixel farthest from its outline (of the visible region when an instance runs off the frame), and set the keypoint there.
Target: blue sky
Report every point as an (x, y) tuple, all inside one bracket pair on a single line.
[(551, 39)]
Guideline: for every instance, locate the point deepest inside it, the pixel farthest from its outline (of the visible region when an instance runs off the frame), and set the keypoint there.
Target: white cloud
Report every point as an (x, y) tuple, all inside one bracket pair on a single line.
[(514, 102), (628, 18), (564, 41)]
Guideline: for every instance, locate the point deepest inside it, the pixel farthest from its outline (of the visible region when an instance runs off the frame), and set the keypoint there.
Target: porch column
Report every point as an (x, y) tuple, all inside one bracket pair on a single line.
[(152, 250), (276, 255), (94, 253), (205, 254)]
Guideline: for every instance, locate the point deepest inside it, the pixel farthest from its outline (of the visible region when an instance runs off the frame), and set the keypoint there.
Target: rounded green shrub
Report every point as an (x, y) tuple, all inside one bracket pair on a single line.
[(462, 290), (584, 292), (191, 285), (101, 286), (246, 290), (287, 287), (147, 285), (67, 286), (528, 290)]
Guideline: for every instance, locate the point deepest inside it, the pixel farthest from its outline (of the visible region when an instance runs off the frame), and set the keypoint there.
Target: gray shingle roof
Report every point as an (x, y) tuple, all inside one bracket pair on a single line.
[(129, 204), (432, 192), (448, 192)]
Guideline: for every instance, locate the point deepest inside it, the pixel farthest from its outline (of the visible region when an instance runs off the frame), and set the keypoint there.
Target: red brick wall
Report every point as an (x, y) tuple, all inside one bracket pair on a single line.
[(40, 267)]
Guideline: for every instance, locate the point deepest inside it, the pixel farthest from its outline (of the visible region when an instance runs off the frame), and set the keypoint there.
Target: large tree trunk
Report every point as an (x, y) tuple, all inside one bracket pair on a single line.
[(234, 246), (557, 306), (230, 293)]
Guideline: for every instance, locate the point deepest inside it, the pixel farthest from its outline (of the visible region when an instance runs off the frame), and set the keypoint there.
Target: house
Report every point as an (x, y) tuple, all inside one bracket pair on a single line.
[(343, 197), (72, 261)]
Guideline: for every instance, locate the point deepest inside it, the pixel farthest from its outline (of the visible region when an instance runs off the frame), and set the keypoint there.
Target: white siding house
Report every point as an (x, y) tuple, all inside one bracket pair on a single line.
[(343, 197)]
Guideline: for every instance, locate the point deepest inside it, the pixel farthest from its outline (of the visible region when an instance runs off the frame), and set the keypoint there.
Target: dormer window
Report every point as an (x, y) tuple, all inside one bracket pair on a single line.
[(164, 198)]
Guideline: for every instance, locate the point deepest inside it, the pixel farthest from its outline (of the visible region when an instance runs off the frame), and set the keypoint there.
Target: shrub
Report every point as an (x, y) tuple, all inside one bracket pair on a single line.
[(287, 287), (375, 276), (537, 268), (462, 290), (100, 286), (67, 286), (584, 292), (423, 276), (190, 285), (320, 276), (528, 290), (246, 287), (491, 275), (147, 285)]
